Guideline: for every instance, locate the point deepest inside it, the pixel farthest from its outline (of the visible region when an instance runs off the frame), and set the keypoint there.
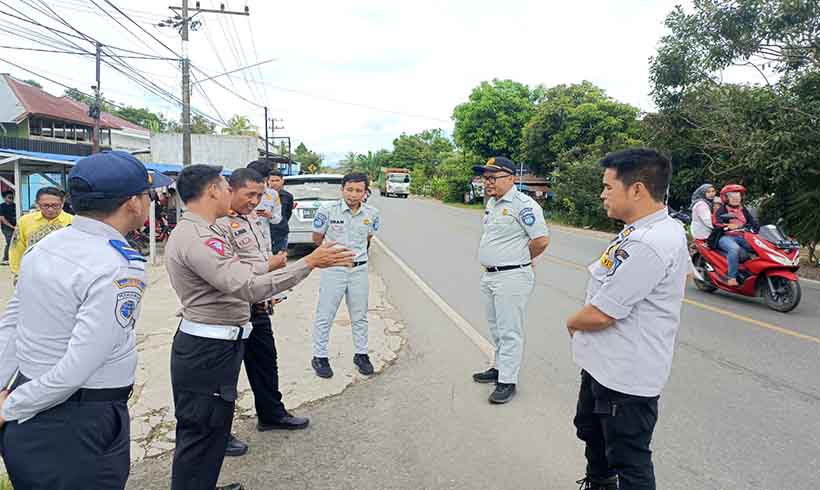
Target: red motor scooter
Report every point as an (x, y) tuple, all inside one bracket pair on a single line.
[(772, 274)]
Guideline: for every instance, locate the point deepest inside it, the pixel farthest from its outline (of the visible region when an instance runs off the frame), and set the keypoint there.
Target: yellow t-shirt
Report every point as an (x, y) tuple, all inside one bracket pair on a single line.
[(32, 228)]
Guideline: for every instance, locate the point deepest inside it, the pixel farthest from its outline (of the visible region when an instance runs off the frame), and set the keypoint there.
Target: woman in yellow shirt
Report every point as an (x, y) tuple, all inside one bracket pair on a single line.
[(33, 227)]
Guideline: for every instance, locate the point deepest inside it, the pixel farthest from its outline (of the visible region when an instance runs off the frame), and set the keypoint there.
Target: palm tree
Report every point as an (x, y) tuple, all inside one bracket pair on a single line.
[(350, 163), (239, 126)]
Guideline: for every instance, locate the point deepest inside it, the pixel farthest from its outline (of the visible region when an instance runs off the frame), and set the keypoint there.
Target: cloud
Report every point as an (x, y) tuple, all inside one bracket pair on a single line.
[(353, 75)]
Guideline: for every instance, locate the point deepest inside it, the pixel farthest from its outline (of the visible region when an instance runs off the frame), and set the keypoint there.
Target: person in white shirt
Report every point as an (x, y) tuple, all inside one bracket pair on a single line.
[(702, 206)]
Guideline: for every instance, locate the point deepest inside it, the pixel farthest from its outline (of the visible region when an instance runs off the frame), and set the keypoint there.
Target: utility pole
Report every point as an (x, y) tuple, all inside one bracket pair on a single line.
[(182, 21), (186, 90), (95, 111), (266, 133)]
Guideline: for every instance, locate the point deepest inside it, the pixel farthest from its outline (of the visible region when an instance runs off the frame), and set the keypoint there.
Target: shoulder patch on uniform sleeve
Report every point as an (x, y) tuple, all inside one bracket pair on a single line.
[(619, 257), (320, 220), (126, 251), (376, 223), (216, 245), (527, 216), (126, 310)]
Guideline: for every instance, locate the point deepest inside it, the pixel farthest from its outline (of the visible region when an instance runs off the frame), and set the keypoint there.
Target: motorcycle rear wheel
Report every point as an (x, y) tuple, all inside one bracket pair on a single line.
[(786, 294)]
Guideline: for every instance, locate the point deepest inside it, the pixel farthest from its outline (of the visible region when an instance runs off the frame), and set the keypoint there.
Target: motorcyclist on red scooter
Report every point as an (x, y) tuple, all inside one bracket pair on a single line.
[(730, 216)]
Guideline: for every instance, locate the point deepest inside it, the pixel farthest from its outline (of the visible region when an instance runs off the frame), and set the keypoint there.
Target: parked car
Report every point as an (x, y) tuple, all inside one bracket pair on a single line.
[(309, 193)]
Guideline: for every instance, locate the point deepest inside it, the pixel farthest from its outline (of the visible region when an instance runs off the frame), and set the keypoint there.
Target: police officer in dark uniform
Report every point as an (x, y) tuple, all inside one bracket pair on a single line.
[(215, 288), (68, 335)]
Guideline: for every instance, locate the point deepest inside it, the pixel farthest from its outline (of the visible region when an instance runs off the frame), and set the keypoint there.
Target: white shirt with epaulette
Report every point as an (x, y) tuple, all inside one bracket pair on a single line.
[(510, 222), (70, 324), (338, 223), (639, 281)]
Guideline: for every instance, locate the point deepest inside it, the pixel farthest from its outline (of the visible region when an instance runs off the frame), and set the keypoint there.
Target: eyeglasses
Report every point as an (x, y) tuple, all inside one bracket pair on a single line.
[(492, 178), (50, 206)]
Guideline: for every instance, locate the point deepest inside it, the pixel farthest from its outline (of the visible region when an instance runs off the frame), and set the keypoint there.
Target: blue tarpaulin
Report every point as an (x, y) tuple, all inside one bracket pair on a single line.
[(164, 168)]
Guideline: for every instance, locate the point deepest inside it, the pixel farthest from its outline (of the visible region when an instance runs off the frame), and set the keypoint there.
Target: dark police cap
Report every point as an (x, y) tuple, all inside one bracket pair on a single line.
[(114, 174), (496, 164)]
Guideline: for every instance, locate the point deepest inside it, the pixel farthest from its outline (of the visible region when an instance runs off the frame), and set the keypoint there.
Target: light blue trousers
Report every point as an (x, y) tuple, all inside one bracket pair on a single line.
[(338, 282), (506, 295)]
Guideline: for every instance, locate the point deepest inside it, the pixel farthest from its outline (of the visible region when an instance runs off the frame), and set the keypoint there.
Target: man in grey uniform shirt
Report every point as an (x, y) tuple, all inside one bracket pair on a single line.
[(624, 337), (350, 222), (514, 235), (215, 288), (68, 333)]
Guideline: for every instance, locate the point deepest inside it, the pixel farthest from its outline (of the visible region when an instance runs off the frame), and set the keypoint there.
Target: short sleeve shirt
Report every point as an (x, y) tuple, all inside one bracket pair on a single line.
[(509, 224), (337, 222), (9, 211), (639, 281)]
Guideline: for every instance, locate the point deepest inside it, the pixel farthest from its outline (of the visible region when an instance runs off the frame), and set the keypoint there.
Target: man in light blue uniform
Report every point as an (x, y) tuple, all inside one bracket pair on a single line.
[(514, 235), (68, 335), (349, 222), (623, 338)]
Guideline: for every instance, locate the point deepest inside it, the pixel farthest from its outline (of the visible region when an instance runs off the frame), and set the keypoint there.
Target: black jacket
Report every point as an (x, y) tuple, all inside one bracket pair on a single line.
[(724, 209)]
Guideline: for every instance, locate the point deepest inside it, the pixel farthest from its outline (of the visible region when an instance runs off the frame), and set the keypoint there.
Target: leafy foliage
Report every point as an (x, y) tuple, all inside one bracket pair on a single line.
[(490, 122)]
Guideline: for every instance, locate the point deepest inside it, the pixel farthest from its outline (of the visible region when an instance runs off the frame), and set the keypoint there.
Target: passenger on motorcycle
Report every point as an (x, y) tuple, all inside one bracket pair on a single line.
[(702, 206), (732, 215)]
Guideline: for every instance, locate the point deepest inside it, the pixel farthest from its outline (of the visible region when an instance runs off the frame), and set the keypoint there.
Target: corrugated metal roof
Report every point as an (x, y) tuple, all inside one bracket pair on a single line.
[(38, 102)]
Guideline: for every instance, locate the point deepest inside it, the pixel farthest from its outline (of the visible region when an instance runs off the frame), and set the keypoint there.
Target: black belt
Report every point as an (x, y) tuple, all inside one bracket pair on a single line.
[(88, 394), (507, 267), (357, 264)]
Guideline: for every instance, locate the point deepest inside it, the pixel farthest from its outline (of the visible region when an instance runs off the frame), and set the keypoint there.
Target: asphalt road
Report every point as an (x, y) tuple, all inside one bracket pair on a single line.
[(741, 410)]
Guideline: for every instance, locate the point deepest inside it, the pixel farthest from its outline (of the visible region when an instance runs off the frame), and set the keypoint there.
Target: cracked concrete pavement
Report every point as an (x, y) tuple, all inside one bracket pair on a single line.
[(151, 405)]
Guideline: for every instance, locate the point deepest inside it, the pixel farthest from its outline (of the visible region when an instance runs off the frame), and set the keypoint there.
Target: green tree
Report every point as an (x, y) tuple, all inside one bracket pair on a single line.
[(579, 119), (424, 148), (34, 83), (73, 93), (240, 126), (307, 158), (143, 117), (763, 136), (490, 122), (200, 125), (350, 163)]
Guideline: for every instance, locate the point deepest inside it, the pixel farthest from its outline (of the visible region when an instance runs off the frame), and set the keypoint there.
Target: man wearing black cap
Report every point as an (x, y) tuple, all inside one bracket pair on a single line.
[(514, 235), (67, 340)]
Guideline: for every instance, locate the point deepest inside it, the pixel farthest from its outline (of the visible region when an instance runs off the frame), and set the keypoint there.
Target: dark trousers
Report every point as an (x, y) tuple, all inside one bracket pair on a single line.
[(617, 429), (262, 369), (279, 240), (7, 234), (74, 445), (204, 373)]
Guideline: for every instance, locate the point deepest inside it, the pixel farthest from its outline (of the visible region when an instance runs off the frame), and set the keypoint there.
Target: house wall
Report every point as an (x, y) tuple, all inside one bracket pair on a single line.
[(15, 130)]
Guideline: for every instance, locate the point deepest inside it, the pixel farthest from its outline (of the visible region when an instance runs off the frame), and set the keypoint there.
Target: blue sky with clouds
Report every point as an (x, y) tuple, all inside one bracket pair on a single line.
[(353, 75)]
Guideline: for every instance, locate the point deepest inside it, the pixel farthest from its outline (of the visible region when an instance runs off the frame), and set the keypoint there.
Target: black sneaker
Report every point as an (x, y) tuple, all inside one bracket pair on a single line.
[(591, 483), (362, 361), (235, 447), (232, 486), (503, 393), (322, 367), (488, 376)]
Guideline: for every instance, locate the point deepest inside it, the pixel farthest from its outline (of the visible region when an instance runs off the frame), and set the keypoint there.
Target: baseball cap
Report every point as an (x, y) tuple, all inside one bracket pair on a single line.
[(496, 164), (114, 174)]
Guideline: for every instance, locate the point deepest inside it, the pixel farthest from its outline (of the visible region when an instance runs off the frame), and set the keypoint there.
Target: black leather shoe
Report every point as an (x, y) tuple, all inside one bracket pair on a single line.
[(235, 447), (503, 393), (488, 376), (362, 361), (232, 486), (322, 367), (288, 422), (591, 483)]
